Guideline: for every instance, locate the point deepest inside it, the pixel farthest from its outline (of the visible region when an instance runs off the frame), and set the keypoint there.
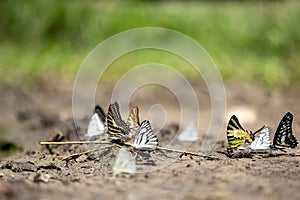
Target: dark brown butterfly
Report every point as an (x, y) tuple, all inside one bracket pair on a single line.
[(117, 129), (284, 137)]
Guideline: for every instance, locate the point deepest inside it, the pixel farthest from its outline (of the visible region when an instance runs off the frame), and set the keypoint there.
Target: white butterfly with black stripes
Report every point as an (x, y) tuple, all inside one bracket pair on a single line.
[(145, 139), (262, 140)]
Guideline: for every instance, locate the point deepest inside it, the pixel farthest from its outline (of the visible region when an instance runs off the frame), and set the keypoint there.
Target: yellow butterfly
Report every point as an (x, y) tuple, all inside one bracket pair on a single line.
[(237, 135)]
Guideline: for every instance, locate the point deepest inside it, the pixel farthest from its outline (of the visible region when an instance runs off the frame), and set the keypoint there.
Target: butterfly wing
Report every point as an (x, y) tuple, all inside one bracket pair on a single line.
[(133, 121), (284, 137), (124, 163), (96, 126), (262, 140), (236, 134), (190, 133), (145, 139), (117, 128), (100, 113), (234, 124)]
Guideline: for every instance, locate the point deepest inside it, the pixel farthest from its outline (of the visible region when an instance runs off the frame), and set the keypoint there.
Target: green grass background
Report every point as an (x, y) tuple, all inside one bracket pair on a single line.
[(250, 41)]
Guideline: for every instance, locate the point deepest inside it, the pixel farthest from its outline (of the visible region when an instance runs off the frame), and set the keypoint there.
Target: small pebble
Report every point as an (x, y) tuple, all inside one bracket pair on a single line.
[(41, 177)]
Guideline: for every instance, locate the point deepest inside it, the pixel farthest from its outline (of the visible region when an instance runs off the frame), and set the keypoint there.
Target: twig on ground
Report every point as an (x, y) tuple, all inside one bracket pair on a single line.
[(74, 142), (188, 153)]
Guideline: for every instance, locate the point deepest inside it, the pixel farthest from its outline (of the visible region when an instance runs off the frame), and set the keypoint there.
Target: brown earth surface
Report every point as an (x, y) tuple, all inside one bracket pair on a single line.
[(30, 116)]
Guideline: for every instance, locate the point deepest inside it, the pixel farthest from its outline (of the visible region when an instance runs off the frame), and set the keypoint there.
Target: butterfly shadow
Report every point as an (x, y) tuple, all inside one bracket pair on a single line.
[(235, 154), (145, 158)]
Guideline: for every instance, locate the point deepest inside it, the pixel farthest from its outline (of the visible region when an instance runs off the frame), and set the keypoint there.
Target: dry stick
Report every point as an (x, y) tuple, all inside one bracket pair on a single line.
[(293, 154), (187, 152), (102, 142), (74, 142), (77, 155)]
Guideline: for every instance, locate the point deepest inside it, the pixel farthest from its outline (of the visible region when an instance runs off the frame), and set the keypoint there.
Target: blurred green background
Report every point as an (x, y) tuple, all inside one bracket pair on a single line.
[(249, 40)]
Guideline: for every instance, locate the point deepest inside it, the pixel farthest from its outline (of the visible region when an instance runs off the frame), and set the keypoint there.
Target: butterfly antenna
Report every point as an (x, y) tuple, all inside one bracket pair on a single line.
[(253, 134)]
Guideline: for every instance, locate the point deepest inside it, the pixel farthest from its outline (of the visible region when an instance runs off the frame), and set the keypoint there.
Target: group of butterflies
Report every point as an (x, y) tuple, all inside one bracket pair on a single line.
[(141, 135), (239, 138), (129, 133)]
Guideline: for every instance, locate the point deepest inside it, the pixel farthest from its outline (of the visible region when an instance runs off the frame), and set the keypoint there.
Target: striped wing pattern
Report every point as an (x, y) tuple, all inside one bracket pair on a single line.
[(262, 140), (117, 129), (133, 121), (145, 139), (236, 134), (284, 137)]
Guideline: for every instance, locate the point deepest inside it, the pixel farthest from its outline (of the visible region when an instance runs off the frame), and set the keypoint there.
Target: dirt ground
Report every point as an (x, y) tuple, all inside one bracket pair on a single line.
[(30, 116)]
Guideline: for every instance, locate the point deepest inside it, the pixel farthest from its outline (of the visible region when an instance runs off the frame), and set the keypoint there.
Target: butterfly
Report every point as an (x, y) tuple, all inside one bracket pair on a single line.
[(117, 129), (237, 135), (124, 163), (262, 140), (133, 121), (189, 133), (96, 124), (284, 137), (145, 139)]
